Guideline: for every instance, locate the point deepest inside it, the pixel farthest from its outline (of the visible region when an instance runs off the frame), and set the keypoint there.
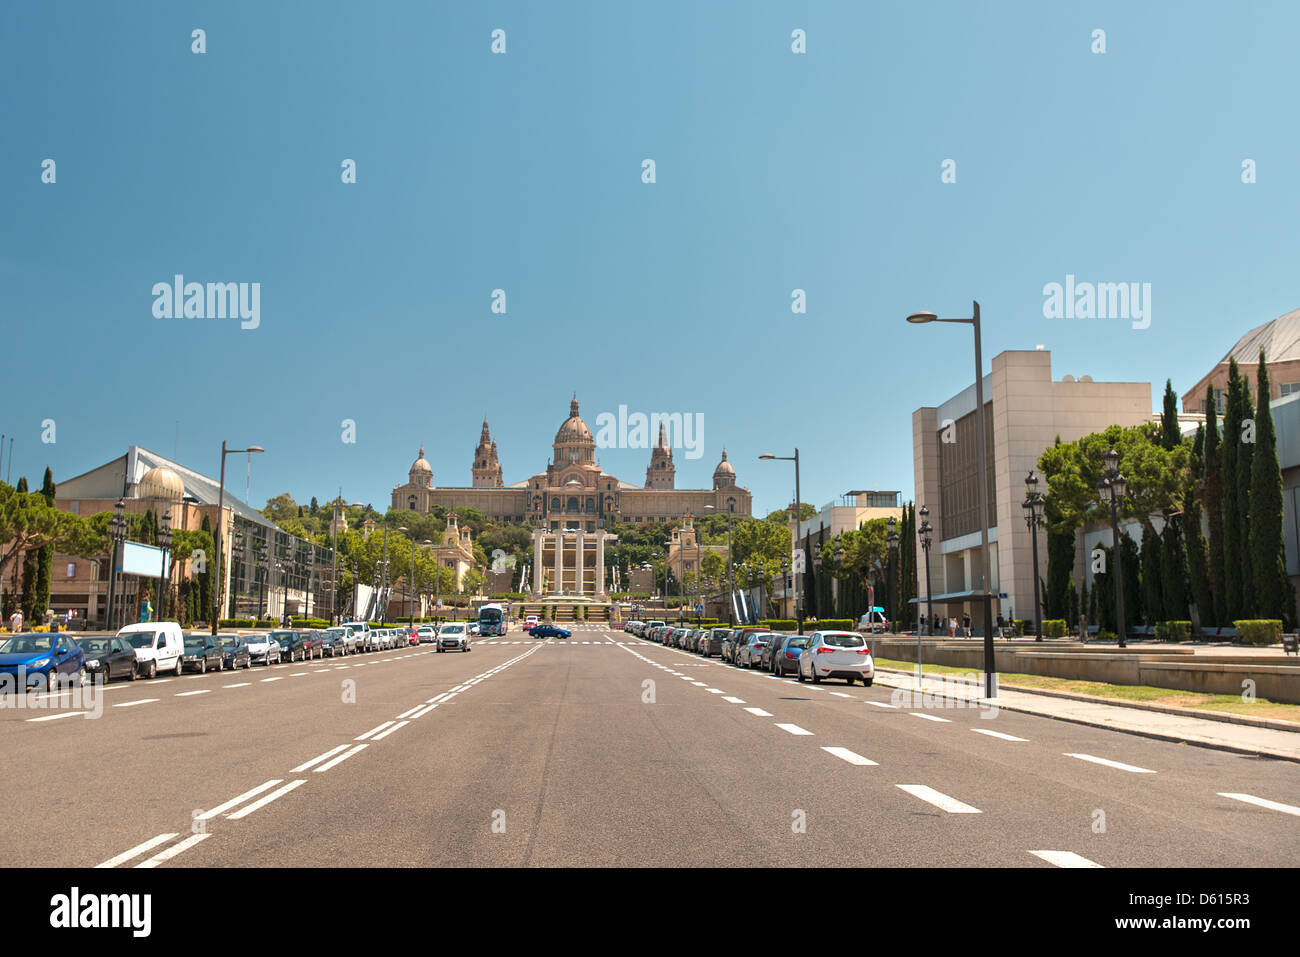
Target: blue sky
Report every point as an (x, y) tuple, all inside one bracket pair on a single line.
[(522, 171)]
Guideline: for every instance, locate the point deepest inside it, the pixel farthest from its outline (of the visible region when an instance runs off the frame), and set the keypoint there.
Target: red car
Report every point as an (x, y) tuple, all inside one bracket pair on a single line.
[(412, 637)]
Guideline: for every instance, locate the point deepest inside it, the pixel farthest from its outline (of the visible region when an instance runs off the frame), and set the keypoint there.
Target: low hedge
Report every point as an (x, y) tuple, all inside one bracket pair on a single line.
[(1258, 631), (1022, 626), (1173, 630), (778, 624), (830, 624), (1054, 628)]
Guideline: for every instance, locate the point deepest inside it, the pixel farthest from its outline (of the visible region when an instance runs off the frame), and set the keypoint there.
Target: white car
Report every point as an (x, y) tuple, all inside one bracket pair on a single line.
[(474, 628), (262, 648), (159, 646), (453, 635), (837, 654), (426, 633)]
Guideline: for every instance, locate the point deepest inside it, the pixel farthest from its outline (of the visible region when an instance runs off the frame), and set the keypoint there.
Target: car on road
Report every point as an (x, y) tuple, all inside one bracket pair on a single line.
[(37, 660), (710, 643), (837, 654), (749, 651), (264, 649), (453, 636), (475, 629), (786, 659), (426, 633), (545, 629), (234, 651), (108, 657), (201, 653), (292, 645), (362, 633), (339, 641), (159, 647), (530, 621)]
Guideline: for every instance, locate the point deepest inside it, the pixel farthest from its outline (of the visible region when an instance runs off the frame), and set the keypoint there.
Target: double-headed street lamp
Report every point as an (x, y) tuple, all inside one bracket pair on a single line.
[(1033, 505), (221, 530), (117, 526), (410, 582), (1111, 490), (165, 543), (798, 517), (926, 531), (990, 665), (891, 540)]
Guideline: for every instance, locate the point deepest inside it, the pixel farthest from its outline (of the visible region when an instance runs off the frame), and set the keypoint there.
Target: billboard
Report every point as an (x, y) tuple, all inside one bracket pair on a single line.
[(144, 560)]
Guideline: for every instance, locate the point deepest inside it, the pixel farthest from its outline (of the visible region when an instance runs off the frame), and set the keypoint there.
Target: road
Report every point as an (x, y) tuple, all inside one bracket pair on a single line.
[(607, 750)]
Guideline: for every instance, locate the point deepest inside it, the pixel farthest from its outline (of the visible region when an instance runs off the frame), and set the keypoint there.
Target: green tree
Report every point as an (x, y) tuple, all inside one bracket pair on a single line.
[(44, 556), (1215, 612), (1232, 571), (1152, 608), (1245, 456), (1273, 593), (1170, 434)]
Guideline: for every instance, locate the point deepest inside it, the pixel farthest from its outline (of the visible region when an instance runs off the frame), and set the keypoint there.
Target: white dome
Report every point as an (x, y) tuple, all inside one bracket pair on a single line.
[(161, 483)]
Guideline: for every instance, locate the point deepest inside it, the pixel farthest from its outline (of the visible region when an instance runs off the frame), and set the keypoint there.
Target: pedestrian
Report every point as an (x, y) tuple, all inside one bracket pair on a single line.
[(16, 621), (1083, 628), (965, 624), (952, 627)]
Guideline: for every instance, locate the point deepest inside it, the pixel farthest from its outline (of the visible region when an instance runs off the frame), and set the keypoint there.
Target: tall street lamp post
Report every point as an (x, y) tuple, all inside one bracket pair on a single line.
[(117, 529), (1112, 488), (926, 531), (165, 543), (410, 583), (221, 529), (798, 515), (891, 540), (1033, 505), (990, 665)]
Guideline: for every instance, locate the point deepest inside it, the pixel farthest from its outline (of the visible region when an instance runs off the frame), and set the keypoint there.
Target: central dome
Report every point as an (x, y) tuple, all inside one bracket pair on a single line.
[(574, 431)]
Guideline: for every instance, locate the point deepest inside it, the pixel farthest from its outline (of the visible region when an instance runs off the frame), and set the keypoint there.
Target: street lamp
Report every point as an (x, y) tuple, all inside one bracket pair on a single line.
[(1112, 488), (786, 584), (892, 541), (926, 531), (410, 583), (334, 531), (1033, 506), (221, 530), (798, 515), (990, 665), (117, 529), (165, 542)]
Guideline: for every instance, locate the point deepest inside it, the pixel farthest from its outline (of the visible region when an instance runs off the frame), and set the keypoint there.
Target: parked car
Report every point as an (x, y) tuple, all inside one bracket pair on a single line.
[(35, 660), (727, 650), (426, 633), (413, 637), (201, 653), (544, 629), (786, 660), (264, 649), (453, 635), (710, 642), (339, 641), (108, 658), (750, 649), (362, 630), (159, 647), (774, 647), (837, 654), (474, 628), (530, 621), (291, 645), (315, 641), (234, 651)]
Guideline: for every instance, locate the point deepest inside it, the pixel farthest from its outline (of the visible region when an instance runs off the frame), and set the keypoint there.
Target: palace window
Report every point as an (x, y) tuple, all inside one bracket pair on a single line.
[(573, 504)]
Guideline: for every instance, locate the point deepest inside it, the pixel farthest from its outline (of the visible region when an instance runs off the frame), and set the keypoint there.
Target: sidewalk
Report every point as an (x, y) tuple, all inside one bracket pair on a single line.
[(1205, 732)]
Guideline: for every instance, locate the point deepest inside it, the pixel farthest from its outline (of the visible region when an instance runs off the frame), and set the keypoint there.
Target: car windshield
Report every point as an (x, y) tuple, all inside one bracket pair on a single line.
[(799, 642), (453, 628), (26, 644), (336, 632), (283, 635), (229, 641), (94, 646), (193, 644), (839, 639), (140, 639)]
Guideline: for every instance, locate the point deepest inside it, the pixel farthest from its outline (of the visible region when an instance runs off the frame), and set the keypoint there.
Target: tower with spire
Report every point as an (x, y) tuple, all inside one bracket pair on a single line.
[(661, 473), (487, 467)]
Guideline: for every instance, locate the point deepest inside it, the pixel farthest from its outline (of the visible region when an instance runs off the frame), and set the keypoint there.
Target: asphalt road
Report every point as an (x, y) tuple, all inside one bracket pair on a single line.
[(606, 750)]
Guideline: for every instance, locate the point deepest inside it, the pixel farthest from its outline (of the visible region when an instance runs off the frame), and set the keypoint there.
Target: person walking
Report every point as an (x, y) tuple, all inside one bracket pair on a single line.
[(965, 625), (16, 621)]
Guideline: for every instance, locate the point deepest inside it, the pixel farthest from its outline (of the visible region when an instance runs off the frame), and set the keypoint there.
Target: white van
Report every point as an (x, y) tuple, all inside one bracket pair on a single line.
[(364, 634), (159, 647)]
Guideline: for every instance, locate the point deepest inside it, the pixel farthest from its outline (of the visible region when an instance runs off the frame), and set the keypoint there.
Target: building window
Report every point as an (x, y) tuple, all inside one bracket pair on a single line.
[(591, 504), (1289, 388), (72, 569), (555, 504)]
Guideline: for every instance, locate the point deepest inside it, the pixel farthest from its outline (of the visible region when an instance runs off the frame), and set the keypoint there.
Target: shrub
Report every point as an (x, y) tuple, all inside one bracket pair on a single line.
[(1173, 630), (1022, 626), (1104, 635), (778, 624), (1054, 628), (1259, 631), (830, 624), (235, 623)]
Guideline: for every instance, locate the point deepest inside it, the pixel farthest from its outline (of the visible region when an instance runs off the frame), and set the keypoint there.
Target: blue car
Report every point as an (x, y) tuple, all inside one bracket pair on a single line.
[(30, 660), (546, 630)]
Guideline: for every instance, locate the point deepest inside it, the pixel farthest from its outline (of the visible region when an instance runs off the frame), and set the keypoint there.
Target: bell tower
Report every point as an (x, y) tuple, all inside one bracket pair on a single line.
[(487, 468)]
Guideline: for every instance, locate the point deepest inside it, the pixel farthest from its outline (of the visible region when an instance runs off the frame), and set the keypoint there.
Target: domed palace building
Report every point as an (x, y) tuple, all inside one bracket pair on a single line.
[(567, 503)]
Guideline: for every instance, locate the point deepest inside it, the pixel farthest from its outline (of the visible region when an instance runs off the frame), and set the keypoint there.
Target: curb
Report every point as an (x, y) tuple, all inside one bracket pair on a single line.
[(1144, 733)]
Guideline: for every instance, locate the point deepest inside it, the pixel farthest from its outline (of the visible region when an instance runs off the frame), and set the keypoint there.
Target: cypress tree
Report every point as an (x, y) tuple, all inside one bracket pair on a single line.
[(1152, 580), (27, 588), (205, 578), (1197, 560), (1170, 434), (1245, 458), (1215, 612), (1132, 582), (44, 556), (1230, 551), (1173, 571), (1274, 594)]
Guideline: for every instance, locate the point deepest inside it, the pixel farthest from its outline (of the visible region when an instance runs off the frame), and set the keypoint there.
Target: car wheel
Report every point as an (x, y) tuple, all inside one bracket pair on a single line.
[(867, 681), (816, 678), (801, 674), (131, 672), (107, 672), (153, 669), (203, 666), (180, 667)]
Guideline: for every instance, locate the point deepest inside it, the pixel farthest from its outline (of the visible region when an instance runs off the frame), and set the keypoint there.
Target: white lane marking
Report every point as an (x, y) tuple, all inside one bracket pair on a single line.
[(734, 700), (928, 717), (882, 704), (1261, 802), (131, 704), (186, 694), (317, 760), (1065, 859), (396, 727), (263, 802), (938, 799), (362, 737), (136, 851), (838, 694), (760, 712), (320, 671), (699, 683), (713, 690), (1005, 737), (849, 756), (299, 674), (792, 728), (425, 710), (178, 848), (280, 678), (1110, 764), (221, 808), (436, 698), (409, 712), (341, 758), (55, 717), (242, 684)]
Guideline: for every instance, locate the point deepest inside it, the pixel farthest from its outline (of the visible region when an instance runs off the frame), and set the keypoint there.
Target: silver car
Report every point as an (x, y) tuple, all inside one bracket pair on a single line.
[(749, 650), (262, 649), (837, 654), (453, 636)]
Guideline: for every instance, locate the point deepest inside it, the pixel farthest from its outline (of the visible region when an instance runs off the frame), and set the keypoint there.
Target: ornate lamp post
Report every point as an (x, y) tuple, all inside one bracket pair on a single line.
[(838, 555), (786, 585), (221, 530), (117, 529), (892, 541), (1112, 488), (1033, 506), (165, 543), (798, 513)]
